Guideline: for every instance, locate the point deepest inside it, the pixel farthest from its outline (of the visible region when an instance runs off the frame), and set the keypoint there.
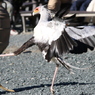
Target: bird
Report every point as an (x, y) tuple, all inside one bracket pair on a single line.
[(55, 38)]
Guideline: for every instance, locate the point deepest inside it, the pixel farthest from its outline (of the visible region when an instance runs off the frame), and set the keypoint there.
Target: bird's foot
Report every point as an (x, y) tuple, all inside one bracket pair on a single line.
[(52, 90), (10, 54), (2, 87), (10, 90), (71, 72)]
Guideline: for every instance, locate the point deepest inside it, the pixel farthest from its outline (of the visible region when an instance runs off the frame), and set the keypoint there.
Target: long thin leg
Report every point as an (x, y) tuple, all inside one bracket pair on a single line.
[(26, 45), (54, 76), (10, 54), (6, 89)]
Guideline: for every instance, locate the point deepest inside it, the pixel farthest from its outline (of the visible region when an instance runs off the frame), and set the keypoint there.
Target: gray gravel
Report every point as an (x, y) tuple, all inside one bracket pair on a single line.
[(29, 74)]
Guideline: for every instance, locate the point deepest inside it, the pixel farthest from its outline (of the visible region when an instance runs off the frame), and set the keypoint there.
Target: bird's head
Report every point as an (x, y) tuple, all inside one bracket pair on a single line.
[(42, 10), (36, 11)]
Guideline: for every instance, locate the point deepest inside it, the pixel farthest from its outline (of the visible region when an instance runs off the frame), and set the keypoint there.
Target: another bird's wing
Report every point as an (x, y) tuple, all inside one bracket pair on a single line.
[(85, 34)]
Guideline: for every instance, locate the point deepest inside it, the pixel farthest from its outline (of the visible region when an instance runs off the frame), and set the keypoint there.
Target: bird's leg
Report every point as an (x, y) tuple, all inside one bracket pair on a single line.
[(54, 76), (10, 54), (26, 45), (6, 89)]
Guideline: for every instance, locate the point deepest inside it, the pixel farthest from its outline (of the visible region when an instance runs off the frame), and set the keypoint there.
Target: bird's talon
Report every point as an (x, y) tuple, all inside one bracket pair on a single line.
[(71, 72), (52, 90), (2, 87)]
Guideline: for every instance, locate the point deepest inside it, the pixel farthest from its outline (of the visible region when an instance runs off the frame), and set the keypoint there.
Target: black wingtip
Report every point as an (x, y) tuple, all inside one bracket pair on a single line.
[(64, 9)]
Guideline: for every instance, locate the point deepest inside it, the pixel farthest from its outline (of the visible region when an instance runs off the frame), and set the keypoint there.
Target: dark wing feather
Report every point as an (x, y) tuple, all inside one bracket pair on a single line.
[(60, 46), (64, 9), (26, 45), (85, 35)]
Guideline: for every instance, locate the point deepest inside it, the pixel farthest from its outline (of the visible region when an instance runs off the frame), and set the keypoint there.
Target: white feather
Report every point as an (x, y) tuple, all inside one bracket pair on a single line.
[(47, 31)]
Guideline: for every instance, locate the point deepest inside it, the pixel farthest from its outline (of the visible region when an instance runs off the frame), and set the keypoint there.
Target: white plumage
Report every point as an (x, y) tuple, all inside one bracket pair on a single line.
[(47, 31)]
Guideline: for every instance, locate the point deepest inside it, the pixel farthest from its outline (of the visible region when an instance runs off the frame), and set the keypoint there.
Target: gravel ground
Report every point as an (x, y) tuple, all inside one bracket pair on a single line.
[(29, 74)]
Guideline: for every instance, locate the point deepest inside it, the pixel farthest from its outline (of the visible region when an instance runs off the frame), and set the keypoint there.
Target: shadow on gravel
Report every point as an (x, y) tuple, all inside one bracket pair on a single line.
[(43, 85)]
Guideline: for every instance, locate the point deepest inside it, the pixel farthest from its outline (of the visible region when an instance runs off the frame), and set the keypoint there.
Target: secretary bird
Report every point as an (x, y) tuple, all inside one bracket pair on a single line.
[(54, 38)]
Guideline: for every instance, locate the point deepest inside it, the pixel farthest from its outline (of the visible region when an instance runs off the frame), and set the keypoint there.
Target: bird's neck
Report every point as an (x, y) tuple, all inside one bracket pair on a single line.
[(44, 17)]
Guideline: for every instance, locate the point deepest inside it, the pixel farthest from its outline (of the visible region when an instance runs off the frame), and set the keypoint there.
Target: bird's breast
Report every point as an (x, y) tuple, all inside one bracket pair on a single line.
[(45, 34)]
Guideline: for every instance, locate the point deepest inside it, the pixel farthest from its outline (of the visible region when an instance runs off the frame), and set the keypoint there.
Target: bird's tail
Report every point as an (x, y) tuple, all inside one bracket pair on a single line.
[(70, 67)]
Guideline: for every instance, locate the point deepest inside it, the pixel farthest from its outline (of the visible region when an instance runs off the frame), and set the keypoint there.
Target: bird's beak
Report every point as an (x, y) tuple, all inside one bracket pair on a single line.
[(36, 11)]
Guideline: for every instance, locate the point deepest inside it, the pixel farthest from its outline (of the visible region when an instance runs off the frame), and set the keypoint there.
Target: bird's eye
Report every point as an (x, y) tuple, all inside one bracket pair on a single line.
[(37, 9)]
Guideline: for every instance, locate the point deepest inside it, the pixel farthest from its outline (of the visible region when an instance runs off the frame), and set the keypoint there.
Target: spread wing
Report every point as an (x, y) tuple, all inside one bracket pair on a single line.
[(60, 46), (84, 34)]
